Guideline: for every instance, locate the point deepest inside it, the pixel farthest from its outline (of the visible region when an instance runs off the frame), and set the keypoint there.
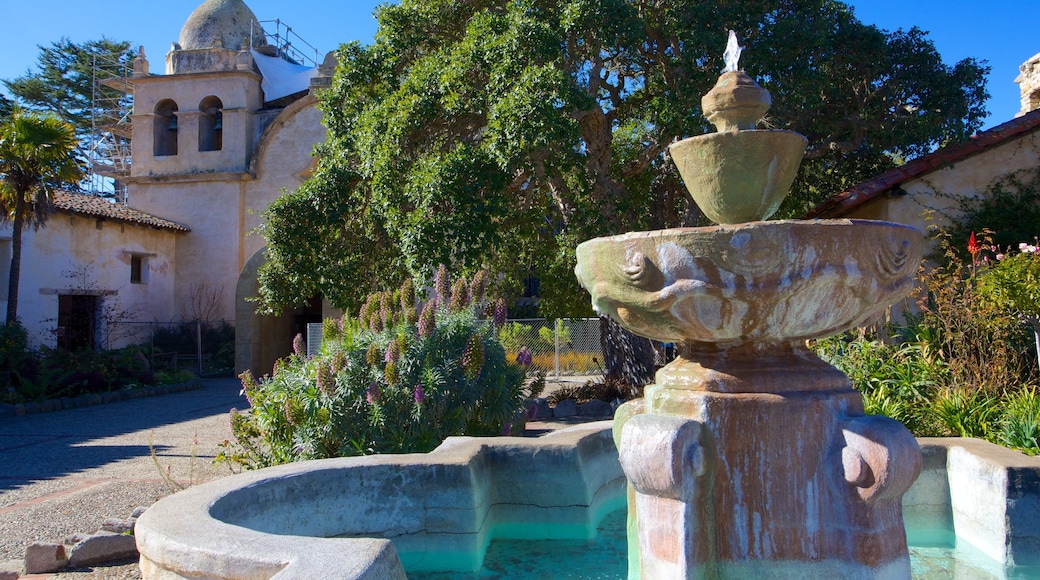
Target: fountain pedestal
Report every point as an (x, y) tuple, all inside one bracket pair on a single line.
[(750, 457), (734, 482)]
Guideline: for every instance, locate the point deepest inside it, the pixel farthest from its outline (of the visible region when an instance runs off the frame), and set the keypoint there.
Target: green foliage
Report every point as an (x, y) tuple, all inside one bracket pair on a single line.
[(6, 108), (55, 373), (380, 386), (964, 366), (546, 124), (17, 366), (516, 335), (36, 156), (895, 380), (1020, 428), (218, 341), (1013, 283), (984, 345), (549, 337), (966, 413)]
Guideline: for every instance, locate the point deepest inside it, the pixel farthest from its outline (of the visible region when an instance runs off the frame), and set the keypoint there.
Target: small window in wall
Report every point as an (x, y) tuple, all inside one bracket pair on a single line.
[(138, 269), (211, 124), (164, 132)]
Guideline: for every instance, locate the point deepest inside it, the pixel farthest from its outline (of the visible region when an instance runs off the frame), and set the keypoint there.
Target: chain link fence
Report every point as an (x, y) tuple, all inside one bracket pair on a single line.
[(203, 347), (566, 346)]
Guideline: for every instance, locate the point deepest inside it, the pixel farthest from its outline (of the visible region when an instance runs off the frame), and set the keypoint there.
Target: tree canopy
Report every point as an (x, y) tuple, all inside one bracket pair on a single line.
[(6, 108), (64, 80), (501, 133)]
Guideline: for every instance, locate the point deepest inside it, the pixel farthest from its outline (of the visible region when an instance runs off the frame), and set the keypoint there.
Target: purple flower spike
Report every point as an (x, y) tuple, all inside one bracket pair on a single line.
[(299, 346), (325, 379), (442, 285), (427, 320), (372, 396), (419, 394), (500, 313), (393, 352)]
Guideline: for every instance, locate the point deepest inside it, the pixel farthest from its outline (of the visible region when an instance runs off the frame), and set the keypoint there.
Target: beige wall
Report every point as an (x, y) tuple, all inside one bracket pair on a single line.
[(78, 254), (932, 199), (218, 194)]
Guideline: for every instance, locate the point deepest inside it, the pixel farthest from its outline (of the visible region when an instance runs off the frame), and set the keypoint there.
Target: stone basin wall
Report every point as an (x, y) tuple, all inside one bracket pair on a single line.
[(289, 521), (326, 519), (989, 495)]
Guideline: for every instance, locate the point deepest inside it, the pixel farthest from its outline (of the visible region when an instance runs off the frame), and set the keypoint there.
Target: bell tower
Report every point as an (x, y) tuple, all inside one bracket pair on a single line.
[(199, 118)]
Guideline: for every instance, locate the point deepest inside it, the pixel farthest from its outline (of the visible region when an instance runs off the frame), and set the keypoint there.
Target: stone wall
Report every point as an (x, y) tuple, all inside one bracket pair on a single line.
[(1029, 84)]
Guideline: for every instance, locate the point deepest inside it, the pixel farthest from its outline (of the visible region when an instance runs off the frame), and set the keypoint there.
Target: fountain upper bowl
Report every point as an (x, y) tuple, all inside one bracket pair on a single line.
[(739, 176), (760, 282)]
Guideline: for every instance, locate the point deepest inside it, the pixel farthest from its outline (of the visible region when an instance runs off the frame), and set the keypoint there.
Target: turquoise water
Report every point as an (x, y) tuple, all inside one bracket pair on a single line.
[(605, 558)]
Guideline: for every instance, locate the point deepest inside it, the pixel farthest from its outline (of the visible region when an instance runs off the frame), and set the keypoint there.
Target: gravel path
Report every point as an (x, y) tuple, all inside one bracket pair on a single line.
[(65, 472)]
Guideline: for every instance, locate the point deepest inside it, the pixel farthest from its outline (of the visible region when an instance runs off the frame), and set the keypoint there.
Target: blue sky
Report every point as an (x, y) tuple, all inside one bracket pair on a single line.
[(999, 31)]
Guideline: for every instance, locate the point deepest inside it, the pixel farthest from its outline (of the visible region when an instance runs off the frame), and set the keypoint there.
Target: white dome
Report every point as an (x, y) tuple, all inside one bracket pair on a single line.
[(228, 21)]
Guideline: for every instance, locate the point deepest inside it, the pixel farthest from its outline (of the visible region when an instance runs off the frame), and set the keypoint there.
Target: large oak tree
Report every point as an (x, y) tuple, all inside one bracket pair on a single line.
[(501, 133)]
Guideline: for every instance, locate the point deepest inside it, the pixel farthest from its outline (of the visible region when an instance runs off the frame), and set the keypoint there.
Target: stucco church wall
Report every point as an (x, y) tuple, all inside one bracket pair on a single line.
[(283, 161), (79, 254), (207, 256), (222, 214)]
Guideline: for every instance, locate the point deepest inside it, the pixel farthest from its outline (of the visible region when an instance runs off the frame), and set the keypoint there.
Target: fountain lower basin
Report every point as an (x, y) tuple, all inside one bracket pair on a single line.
[(276, 522), (330, 518)]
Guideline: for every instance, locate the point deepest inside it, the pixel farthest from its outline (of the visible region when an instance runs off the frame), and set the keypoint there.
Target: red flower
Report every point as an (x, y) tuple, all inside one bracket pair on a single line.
[(973, 246)]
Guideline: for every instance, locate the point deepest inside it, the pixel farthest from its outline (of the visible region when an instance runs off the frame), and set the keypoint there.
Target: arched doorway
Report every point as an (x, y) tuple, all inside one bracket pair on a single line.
[(261, 340)]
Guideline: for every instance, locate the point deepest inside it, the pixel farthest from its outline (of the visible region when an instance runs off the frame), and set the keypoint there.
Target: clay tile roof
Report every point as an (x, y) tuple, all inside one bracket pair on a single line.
[(93, 206), (859, 194)]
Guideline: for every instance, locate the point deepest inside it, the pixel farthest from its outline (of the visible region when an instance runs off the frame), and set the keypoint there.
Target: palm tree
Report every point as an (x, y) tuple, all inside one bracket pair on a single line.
[(37, 154)]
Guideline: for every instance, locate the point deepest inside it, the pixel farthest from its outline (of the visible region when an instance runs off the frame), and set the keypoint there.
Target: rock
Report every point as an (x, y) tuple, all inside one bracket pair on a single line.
[(117, 526), (103, 547), (540, 409), (11, 569), (75, 538), (41, 558), (19, 409), (565, 408), (66, 404), (595, 408), (138, 511)]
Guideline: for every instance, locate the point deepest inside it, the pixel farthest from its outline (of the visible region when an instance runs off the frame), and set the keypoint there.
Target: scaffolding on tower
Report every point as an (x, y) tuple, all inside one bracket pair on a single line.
[(111, 107)]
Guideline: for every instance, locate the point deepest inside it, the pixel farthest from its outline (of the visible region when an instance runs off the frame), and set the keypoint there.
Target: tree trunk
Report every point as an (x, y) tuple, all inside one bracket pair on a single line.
[(16, 259), (627, 357)]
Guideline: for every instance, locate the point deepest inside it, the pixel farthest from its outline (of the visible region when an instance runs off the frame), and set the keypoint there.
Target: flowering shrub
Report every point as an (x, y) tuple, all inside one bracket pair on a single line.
[(963, 366), (1013, 281), (388, 381)]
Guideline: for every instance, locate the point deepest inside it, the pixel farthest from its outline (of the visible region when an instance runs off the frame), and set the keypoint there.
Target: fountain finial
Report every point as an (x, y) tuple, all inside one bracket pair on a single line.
[(737, 102), (732, 54)]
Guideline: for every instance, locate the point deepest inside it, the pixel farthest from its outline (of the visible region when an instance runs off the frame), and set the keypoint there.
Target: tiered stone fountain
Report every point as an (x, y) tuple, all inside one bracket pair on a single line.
[(750, 457)]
